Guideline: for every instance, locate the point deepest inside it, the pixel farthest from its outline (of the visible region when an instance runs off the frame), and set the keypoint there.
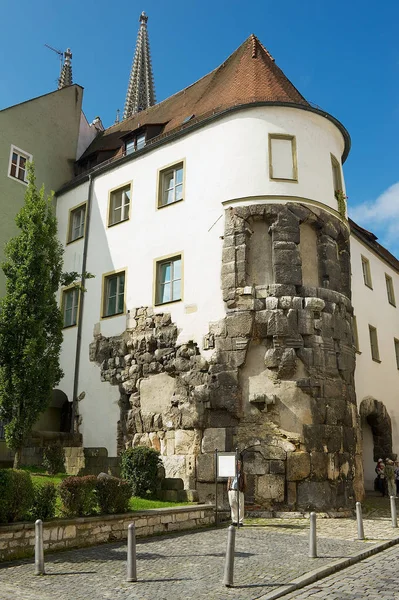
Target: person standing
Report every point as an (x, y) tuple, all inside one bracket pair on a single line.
[(390, 477), (380, 470), (397, 476), (236, 487)]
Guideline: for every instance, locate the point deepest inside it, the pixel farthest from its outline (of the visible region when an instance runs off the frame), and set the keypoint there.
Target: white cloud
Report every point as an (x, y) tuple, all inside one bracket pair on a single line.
[(381, 216)]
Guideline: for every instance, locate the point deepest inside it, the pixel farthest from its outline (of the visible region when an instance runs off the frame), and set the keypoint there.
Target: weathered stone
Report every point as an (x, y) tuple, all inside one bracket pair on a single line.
[(277, 323), (277, 467), (239, 324), (270, 487), (314, 495), (156, 392), (206, 467), (314, 304), (298, 466), (170, 483), (319, 464), (213, 439), (187, 442), (287, 364)]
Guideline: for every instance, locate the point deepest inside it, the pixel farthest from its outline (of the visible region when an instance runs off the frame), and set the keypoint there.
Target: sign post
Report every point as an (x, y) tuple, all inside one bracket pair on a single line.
[(225, 466)]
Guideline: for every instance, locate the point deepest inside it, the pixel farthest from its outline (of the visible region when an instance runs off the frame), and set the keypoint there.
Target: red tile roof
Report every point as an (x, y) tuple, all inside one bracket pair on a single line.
[(248, 75)]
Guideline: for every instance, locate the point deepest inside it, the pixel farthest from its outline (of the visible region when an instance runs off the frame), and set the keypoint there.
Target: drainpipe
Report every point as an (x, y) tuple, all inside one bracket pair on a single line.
[(81, 305)]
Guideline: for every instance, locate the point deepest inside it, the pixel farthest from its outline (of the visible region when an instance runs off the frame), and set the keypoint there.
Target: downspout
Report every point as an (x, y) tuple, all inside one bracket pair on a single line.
[(81, 305)]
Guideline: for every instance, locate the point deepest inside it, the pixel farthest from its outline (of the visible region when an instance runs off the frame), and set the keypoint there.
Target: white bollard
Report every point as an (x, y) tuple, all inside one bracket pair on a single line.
[(39, 551), (359, 519), (393, 512), (131, 553), (312, 536), (229, 564)]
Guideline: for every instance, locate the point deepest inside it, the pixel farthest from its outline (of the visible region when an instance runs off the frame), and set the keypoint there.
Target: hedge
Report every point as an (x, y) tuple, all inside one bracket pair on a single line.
[(16, 496), (78, 495), (139, 466)]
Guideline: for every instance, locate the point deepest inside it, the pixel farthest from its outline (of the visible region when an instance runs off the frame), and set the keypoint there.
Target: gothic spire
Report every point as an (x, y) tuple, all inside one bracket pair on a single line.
[(66, 71), (140, 92)]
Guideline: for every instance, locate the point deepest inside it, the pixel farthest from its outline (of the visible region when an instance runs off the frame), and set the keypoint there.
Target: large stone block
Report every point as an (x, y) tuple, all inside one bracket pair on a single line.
[(270, 487), (206, 467), (156, 392), (319, 464), (239, 324), (314, 495), (298, 466), (213, 439), (187, 441)]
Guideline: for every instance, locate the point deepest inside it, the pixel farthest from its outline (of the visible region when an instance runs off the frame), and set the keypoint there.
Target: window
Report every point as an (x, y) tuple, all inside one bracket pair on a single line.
[(18, 164), (114, 294), (366, 272), (70, 304), (168, 280), (355, 334), (76, 228), (336, 173), (390, 290), (396, 342), (136, 143), (171, 185), (375, 355), (119, 204), (282, 157)]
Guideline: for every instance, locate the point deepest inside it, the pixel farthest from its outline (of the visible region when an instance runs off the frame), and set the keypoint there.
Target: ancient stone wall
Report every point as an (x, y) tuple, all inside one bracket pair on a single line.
[(279, 384)]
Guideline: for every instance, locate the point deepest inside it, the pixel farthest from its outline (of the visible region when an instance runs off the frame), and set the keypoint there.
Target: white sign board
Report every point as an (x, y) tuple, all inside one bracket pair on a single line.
[(226, 464)]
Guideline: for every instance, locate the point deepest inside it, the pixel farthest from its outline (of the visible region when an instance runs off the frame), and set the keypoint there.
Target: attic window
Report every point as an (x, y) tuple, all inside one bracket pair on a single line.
[(187, 119), (135, 143)]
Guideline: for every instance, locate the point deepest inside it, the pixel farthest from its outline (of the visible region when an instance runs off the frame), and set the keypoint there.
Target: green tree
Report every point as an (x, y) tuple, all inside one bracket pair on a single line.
[(30, 320)]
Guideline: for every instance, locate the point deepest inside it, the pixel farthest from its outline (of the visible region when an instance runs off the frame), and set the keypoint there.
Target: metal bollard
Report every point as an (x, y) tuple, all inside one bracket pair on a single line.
[(39, 552), (359, 519), (393, 512), (312, 536), (229, 564), (131, 553)]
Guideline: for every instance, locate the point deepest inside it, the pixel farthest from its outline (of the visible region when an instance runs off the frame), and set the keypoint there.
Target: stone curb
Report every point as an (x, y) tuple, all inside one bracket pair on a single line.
[(322, 572)]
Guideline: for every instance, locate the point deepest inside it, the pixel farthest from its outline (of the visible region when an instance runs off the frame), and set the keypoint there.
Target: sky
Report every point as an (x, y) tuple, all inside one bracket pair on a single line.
[(341, 55)]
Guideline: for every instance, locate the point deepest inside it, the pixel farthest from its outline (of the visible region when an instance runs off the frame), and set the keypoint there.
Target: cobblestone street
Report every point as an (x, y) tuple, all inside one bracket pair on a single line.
[(269, 554), (374, 578)]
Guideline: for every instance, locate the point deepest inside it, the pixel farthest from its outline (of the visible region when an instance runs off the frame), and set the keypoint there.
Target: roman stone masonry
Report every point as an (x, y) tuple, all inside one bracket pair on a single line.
[(274, 377)]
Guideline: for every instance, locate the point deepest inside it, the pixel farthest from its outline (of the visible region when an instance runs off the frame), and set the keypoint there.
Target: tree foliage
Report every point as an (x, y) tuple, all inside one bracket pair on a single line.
[(30, 320)]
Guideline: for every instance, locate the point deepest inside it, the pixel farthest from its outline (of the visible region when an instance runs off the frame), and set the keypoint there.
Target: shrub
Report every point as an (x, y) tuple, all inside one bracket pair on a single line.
[(16, 496), (139, 466), (45, 497), (54, 459), (113, 495), (78, 495)]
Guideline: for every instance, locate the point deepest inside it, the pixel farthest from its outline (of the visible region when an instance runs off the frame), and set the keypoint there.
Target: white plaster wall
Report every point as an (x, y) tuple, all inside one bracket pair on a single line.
[(226, 160), (371, 307)]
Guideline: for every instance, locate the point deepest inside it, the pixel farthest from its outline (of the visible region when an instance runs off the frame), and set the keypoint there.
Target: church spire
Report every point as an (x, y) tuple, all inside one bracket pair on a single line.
[(140, 92), (66, 71)]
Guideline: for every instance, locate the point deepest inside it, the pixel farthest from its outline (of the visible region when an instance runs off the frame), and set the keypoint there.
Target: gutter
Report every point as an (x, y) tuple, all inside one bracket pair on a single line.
[(81, 305)]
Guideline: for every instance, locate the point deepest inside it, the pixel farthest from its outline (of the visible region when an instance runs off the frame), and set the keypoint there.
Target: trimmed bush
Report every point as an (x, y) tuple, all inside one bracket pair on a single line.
[(113, 495), (16, 496), (139, 466), (78, 495), (54, 459), (45, 497)]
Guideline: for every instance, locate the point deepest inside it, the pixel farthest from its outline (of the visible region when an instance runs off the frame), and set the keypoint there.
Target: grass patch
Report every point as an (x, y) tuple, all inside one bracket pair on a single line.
[(136, 503)]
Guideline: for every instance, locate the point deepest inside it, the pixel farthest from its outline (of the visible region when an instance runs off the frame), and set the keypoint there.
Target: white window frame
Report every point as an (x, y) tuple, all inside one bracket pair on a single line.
[(107, 277), (81, 209), (75, 291), (366, 272), (136, 143), (172, 259), (125, 204), (390, 289), (19, 152), (375, 352), (336, 174), (163, 190), (396, 344), (288, 138)]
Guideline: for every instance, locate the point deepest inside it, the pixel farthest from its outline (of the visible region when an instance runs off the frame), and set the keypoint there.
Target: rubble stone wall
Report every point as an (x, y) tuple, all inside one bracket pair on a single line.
[(279, 384)]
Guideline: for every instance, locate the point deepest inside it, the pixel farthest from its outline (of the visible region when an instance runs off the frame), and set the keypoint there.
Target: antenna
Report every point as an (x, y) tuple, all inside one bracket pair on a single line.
[(60, 54)]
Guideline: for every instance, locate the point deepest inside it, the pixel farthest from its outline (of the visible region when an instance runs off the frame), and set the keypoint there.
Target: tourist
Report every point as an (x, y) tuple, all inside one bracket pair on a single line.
[(380, 479), (236, 487), (390, 477), (397, 476)]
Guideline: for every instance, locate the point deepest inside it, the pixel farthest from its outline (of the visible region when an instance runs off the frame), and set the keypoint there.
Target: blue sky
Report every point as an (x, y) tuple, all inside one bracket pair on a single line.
[(341, 55)]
